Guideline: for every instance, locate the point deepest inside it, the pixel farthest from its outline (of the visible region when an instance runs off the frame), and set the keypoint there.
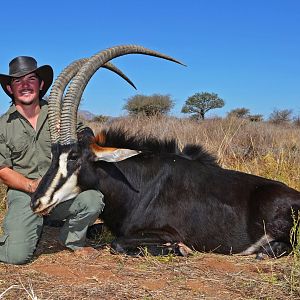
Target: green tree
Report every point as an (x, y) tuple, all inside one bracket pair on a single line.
[(239, 113), (155, 104), (200, 103)]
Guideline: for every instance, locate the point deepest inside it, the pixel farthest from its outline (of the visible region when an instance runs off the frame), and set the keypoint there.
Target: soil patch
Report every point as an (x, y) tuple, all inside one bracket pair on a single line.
[(56, 273)]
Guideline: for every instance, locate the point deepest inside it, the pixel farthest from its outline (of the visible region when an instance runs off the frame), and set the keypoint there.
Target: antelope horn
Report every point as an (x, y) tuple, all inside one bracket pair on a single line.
[(113, 68), (59, 87), (73, 96)]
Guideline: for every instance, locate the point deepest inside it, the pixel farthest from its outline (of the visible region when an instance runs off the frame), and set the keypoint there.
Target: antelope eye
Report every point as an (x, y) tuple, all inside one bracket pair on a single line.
[(73, 156)]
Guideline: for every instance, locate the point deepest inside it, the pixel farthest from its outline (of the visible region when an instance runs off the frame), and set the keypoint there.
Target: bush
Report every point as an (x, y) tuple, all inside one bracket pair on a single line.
[(149, 105)]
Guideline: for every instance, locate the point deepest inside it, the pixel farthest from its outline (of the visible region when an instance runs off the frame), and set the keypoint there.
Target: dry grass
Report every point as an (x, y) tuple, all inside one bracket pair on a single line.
[(257, 148)]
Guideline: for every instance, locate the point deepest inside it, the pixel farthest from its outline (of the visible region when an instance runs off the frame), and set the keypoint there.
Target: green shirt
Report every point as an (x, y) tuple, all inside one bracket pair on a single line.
[(22, 148)]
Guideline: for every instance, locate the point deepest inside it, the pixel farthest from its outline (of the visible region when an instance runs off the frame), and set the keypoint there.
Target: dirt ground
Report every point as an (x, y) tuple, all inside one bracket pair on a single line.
[(56, 273)]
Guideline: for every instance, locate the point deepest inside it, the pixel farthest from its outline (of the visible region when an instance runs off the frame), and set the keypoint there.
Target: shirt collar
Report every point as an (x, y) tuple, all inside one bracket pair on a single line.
[(12, 109)]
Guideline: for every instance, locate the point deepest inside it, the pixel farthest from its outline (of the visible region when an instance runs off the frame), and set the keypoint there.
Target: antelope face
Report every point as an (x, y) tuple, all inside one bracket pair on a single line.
[(72, 170), (60, 183)]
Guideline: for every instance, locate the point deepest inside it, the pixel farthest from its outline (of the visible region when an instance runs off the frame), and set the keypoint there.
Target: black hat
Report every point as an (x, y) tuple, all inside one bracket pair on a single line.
[(23, 65)]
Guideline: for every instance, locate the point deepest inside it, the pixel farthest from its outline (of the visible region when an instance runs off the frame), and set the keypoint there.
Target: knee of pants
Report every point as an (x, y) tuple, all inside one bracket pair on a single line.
[(19, 253), (20, 259), (91, 201)]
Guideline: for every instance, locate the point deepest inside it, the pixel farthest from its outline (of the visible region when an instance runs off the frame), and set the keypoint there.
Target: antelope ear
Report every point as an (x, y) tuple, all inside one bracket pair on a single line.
[(112, 154)]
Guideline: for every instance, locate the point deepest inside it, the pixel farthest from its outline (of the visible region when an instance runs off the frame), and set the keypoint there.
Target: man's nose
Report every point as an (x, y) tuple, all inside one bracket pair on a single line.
[(25, 83)]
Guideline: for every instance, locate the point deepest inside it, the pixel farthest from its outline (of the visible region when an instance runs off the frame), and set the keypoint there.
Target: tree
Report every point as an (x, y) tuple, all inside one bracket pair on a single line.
[(281, 116), (155, 104), (239, 113), (200, 103), (244, 113)]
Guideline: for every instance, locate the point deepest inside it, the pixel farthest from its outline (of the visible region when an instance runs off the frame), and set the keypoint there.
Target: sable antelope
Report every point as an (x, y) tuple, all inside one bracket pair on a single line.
[(158, 196)]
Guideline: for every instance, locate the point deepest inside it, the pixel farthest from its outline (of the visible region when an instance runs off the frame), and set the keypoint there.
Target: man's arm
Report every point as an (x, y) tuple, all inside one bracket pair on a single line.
[(18, 181)]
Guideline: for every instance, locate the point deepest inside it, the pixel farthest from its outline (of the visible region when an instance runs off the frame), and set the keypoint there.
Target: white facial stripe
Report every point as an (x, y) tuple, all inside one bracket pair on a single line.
[(48, 199), (63, 164), (68, 191), (45, 200), (264, 240)]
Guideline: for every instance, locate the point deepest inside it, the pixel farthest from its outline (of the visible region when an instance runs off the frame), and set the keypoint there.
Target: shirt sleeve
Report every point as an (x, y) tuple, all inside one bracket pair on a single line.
[(5, 158)]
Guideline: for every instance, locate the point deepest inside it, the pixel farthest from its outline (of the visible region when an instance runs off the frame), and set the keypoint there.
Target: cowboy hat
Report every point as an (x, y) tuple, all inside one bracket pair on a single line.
[(23, 65)]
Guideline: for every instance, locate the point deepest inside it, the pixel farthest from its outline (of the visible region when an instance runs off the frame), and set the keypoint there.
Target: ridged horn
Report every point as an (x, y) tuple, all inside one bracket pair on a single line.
[(73, 96), (58, 88)]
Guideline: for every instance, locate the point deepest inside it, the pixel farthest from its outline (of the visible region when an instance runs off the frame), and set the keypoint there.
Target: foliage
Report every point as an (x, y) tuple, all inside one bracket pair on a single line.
[(155, 104), (244, 113), (100, 119), (239, 112), (281, 116), (200, 103)]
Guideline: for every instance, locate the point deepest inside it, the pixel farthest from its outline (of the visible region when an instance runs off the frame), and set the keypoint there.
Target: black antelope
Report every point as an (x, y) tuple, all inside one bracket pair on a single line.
[(156, 195)]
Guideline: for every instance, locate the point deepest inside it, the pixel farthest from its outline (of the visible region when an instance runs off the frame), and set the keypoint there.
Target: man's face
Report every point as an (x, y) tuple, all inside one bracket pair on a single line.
[(26, 89)]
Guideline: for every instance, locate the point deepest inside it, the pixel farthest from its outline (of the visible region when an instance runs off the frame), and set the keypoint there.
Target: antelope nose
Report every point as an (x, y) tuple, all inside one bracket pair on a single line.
[(34, 204)]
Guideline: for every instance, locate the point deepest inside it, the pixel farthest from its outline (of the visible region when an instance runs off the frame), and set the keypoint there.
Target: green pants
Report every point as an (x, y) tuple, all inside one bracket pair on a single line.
[(22, 228)]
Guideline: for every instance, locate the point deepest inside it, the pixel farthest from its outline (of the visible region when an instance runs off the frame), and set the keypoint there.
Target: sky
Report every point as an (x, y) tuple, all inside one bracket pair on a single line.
[(247, 52)]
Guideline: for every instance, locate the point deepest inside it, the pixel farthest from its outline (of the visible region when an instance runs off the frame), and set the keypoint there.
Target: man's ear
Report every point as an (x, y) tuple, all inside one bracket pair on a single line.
[(41, 85), (8, 87)]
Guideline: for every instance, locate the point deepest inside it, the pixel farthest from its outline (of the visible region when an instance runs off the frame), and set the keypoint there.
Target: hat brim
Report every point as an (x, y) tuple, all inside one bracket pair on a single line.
[(44, 72)]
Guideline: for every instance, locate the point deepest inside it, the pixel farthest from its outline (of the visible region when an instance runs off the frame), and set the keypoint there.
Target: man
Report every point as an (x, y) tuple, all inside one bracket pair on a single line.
[(25, 155)]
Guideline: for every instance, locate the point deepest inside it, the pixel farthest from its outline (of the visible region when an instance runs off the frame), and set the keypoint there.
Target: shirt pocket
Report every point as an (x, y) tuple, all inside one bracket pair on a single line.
[(18, 145)]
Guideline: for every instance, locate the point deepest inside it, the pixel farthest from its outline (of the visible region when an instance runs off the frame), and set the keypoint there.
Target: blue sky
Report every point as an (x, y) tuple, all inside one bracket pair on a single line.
[(248, 52)]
